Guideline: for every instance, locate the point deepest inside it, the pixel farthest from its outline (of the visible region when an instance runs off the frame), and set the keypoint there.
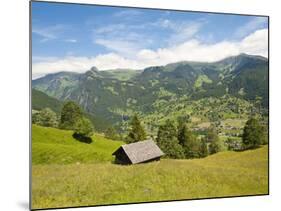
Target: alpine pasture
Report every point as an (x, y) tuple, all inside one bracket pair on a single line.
[(67, 173)]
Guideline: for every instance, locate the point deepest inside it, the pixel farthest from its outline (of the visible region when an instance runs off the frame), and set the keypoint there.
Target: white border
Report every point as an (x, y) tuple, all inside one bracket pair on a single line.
[(14, 39)]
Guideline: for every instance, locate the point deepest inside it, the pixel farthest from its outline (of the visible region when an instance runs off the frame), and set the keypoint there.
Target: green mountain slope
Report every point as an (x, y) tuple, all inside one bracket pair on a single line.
[(120, 74), (40, 100), (112, 97)]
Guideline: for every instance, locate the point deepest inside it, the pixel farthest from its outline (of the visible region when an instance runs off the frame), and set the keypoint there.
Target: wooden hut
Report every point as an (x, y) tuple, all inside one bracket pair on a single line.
[(139, 152)]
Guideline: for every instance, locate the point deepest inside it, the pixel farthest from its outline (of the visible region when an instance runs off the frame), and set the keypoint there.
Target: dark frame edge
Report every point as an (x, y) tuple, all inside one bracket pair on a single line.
[(152, 8), (268, 121), (30, 105)]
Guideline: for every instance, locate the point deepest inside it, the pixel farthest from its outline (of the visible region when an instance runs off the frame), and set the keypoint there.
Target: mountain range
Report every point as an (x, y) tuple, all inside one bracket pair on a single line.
[(112, 96)]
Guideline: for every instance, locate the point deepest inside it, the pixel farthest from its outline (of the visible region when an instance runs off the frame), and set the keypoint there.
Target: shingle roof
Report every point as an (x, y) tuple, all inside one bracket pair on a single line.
[(142, 151)]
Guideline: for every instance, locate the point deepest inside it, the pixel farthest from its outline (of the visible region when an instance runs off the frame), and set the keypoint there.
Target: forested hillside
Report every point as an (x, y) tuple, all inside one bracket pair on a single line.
[(234, 88)]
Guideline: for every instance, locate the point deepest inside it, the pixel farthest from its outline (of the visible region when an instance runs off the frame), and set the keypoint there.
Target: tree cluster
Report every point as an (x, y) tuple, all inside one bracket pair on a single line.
[(181, 142), (168, 141), (46, 117), (71, 118), (176, 142)]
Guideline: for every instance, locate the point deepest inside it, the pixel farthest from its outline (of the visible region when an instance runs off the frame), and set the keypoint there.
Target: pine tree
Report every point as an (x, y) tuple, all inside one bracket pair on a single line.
[(203, 150), (182, 120), (216, 145), (189, 142), (168, 142), (254, 134), (137, 132), (264, 136)]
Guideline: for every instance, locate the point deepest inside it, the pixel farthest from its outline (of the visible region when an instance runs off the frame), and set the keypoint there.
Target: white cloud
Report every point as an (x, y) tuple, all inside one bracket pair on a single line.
[(185, 32), (49, 33), (44, 58), (256, 43), (109, 28), (71, 40), (182, 30), (252, 25), (191, 50), (120, 39), (127, 13), (81, 64), (125, 47), (128, 39)]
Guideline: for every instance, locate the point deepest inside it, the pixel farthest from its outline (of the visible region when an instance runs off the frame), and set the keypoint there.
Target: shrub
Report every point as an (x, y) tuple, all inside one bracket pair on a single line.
[(111, 133), (216, 146), (234, 144), (83, 127)]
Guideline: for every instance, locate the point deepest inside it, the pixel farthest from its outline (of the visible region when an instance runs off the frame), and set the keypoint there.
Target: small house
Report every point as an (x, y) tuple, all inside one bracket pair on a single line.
[(139, 152)]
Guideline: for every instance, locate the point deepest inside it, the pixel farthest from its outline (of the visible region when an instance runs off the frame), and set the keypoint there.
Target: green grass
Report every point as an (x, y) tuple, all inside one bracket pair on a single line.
[(234, 122), (219, 175), (120, 74), (54, 146), (200, 80)]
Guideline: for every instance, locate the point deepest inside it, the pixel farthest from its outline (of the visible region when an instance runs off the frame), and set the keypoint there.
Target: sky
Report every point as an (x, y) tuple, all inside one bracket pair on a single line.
[(73, 37)]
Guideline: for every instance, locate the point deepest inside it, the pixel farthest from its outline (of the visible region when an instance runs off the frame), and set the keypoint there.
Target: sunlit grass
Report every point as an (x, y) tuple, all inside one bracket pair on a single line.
[(219, 175), (54, 146)]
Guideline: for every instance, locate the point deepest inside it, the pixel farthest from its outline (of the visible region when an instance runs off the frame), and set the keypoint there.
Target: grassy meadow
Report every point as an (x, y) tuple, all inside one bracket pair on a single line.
[(66, 173), (55, 146)]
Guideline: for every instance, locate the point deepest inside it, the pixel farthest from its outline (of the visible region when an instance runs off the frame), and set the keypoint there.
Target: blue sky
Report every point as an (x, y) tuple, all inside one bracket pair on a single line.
[(72, 37)]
